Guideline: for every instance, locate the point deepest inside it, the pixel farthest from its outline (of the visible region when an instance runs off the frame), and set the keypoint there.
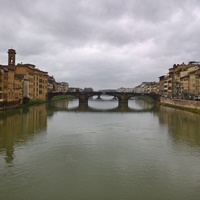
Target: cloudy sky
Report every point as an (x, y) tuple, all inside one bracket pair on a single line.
[(101, 43)]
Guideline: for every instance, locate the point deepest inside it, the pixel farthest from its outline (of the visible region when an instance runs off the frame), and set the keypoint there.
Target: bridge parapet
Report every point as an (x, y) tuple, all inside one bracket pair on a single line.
[(84, 96), (123, 97)]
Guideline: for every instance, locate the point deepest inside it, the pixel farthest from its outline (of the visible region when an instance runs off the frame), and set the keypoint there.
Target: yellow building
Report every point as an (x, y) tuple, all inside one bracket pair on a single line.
[(1, 83), (24, 82), (59, 87), (165, 84), (51, 84), (40, 84), (35, 84), (182, 80), (18, 86), (197, 83), (177, 77), (64, 86), (5, 84), (26, 71), (11, 83), (191, 83), (193, 78), (21, 81), (184, 83)]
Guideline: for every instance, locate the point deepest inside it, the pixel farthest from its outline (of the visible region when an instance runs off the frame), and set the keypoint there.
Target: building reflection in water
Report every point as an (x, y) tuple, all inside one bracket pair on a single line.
[(19, 126), (183, 126)]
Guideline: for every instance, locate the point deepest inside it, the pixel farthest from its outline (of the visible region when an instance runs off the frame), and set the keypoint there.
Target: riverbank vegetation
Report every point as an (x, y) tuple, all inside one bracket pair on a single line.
[(181, 108), (56, 98), (38, 102), (150, 100), (147, 99)]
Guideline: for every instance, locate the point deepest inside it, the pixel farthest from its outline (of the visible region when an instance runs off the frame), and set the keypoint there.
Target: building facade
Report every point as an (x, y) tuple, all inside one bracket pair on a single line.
[(1, 84), (182, 81), (21, 81)]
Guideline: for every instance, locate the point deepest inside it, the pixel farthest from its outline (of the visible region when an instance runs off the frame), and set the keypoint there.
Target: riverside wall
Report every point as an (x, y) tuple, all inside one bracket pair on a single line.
[(5, 105), (181, 103)]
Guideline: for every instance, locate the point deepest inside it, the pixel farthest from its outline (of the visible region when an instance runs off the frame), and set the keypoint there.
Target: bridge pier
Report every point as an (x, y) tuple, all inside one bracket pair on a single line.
[(83, 98), (83, 106), (123, 107), (123, 99), (122, 103), (98, 96), (83, 101)]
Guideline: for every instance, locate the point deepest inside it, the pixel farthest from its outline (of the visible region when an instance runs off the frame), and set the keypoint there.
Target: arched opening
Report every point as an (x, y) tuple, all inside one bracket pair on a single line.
[(140, 103), (104, 102)]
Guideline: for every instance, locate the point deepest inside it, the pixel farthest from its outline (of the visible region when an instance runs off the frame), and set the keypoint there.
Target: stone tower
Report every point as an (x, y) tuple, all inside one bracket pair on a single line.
[(11, 57)]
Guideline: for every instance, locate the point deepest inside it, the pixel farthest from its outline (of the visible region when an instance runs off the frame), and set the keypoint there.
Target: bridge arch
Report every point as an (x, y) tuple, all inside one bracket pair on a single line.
[(123, 97), (82, 96)]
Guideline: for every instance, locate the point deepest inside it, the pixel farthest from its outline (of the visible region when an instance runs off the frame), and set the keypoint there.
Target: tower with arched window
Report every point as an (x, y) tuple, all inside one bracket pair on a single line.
[(11, 57)]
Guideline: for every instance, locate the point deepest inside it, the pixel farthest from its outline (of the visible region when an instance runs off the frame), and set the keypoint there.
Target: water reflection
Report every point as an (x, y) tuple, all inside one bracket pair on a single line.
[(138, 104), (99, 105), (183, 126), (134, 153), (105, 98), (19, 126)]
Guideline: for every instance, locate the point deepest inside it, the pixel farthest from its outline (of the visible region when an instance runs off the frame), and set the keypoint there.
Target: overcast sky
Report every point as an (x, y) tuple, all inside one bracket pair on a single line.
[(101, 43)]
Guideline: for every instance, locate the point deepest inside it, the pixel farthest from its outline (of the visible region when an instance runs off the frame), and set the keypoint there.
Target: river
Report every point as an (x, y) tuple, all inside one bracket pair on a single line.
[(99, 151)]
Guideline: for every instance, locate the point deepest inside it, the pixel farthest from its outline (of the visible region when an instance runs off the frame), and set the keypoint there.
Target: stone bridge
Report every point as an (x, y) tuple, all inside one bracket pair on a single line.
[(82, 96), (123, 97)]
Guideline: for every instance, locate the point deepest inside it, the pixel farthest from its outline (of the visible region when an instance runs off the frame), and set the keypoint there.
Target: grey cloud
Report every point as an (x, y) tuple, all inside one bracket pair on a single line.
[(101, 43)]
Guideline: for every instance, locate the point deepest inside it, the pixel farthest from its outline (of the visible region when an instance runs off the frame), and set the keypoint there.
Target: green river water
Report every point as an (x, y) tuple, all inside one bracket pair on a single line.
[(99, 151)]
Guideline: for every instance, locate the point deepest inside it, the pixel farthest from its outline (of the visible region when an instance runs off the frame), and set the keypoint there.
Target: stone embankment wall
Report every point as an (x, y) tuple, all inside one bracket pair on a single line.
[(181, 103), (6, 105)]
